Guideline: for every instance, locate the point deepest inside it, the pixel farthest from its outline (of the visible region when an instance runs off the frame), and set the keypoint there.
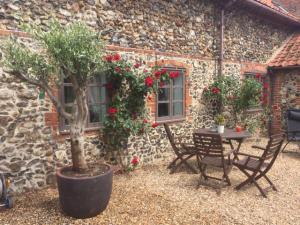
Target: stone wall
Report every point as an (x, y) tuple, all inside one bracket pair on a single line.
[(187, 27), (178, 33)]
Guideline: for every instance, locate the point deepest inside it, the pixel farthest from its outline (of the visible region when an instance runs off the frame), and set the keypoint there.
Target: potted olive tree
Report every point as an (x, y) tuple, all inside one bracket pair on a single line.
[(71, 52)]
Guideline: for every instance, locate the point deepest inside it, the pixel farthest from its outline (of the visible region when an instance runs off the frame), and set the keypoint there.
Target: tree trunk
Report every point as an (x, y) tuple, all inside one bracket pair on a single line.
[(77, 125)]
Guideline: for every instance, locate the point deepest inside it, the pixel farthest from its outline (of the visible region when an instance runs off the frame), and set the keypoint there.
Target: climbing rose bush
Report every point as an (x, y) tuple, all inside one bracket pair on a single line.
[(129, 85)]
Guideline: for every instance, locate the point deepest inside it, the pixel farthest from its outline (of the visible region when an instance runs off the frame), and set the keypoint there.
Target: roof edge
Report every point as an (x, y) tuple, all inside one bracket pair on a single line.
[(272, 12)]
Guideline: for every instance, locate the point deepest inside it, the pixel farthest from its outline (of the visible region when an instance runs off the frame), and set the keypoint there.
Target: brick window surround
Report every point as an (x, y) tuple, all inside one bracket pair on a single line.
[(187, 99)]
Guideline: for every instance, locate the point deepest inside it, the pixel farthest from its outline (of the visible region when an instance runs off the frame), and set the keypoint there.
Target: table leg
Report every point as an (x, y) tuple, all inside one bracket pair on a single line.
[(240, 141)]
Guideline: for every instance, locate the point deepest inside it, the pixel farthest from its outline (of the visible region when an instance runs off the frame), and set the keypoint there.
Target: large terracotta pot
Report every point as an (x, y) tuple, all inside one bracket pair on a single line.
[(84, 197)]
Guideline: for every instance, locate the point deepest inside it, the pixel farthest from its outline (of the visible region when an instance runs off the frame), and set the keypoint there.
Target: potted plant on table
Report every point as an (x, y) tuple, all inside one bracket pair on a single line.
[(72, 52), (220, 122)]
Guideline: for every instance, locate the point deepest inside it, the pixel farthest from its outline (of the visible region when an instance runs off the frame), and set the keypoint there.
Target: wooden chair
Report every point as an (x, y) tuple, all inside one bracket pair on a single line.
[(256, 167), (210, 152), (183, 152)]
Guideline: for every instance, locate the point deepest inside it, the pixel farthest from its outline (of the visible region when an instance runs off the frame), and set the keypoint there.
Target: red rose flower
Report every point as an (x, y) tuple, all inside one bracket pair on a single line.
[(215, 90), (135, 161), (174, 74), (157, 74), (116, 57), (128, 69), (163, 71), (275, 107), (137, 65), (149, 81), (258, 75), (109, 86), (154, 125), (145, 71), (161, 84), (118, 69), (145, 121), (112, 111), (108, 58), (266, 85)]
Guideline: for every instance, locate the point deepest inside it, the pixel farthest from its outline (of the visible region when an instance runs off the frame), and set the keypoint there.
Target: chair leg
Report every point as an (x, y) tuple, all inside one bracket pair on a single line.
[(259, 188), (285, 147), (247, 181), (172, 163), (251, 179), (183, 161), (270, 182)]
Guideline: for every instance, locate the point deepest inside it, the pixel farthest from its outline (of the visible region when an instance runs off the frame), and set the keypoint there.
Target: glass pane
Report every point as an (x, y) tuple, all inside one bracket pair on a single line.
[(103, 112), (163, 94), (99, 78), (94, 94), (178, 108), (163, 109), (69, 110), (67, 80), (179, 80), (68, 94), (94, 111), (178, 94), (103, 94)]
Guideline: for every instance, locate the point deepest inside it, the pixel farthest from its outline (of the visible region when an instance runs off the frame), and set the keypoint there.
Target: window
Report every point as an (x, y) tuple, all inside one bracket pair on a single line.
[(170, 99), (97, 100)]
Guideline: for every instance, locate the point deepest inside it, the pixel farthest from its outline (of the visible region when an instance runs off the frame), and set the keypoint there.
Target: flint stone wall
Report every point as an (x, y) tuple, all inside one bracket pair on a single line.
[(29, 153)]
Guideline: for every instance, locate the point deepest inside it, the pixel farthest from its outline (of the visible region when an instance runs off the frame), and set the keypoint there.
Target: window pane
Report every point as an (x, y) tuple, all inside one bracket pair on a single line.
[(103, 94), (178, 108), (103, 112), (94, 94), (179, 80), (163, 109), (94, 113), (69, 110), (177, 94), (163, 94), (68, 94)]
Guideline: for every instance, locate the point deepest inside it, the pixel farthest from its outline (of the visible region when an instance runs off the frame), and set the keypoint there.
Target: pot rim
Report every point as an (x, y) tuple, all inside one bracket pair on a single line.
[(59, 173)]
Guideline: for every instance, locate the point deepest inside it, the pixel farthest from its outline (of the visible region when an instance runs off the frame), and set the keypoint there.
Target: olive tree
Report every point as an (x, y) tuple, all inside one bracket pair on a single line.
[(74, 52)]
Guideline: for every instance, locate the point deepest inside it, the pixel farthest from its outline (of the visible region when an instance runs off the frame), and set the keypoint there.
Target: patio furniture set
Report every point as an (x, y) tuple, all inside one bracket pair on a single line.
[(208, 148)]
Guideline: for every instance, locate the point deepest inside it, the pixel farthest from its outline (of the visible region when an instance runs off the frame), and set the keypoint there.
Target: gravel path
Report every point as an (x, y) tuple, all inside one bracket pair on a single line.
[(151, 195)]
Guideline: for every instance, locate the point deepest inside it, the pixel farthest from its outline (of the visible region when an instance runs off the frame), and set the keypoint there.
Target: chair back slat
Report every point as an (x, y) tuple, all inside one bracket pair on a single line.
[(273, 148), (170, 137), (208, 144)]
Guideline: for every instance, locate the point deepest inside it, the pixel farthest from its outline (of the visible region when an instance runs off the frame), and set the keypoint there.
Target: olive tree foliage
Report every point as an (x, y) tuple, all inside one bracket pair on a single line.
[(74, 52)]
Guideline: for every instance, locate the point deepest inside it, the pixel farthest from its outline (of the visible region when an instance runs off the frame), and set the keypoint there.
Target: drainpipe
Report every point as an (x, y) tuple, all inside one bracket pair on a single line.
[(221, 58)]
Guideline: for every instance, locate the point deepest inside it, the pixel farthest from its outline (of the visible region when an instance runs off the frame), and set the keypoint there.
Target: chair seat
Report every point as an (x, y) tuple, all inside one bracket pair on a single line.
[(252, 164), (214, 161)]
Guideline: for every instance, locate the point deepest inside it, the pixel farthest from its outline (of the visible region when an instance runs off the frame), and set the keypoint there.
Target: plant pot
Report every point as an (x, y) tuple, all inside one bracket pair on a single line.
[(220, 129), (84, 197)]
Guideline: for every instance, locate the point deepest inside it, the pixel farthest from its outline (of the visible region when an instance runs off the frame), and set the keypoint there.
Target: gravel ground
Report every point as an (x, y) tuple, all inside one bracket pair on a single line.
[(150, 195)]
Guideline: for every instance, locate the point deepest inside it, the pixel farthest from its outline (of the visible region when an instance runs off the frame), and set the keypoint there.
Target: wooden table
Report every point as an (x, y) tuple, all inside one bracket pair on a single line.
[(229, 134)]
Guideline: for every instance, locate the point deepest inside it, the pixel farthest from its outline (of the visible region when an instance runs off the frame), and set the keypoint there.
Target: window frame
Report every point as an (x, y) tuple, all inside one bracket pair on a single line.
[(63, 127), (171, 101)]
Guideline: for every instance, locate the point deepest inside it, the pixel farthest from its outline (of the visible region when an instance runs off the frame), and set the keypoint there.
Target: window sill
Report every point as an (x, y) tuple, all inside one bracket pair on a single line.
[(254, 110), (87, 130), (171, 120)]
